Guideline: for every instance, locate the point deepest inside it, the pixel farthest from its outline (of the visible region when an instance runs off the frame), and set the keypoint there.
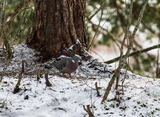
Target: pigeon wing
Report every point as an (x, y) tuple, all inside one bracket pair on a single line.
[(61, 64)]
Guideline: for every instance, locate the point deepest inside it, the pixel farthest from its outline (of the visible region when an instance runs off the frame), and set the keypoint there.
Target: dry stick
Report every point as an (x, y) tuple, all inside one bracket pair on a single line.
[(134, 53), (96, 34), (157, 62), (47, 81), (24, 19), (98, 55), (1, 14), (114, 40), (38, 73), (88, 111), (7, 45), (97, 89), (102, 5), (116, 74), (16, 89), (89, 19), (121, 63), (17, 10), (127, 30), (3, 35), (12, 18), (150, 29), (9, 23), (21, 21), (112, 36), (4, 12)]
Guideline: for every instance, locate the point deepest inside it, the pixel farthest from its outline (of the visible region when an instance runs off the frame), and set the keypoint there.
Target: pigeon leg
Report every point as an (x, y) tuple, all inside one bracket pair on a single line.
[(70, 76)]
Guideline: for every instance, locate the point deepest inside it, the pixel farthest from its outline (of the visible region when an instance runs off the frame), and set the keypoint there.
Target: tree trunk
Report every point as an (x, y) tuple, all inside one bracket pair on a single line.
[(57, 25)]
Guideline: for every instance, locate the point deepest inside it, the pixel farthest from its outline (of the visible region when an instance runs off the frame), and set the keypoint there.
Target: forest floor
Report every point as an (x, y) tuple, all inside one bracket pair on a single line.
[(138, 96)]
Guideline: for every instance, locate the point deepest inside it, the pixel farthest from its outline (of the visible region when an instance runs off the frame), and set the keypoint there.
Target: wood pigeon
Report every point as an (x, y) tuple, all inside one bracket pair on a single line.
[(67, 65)]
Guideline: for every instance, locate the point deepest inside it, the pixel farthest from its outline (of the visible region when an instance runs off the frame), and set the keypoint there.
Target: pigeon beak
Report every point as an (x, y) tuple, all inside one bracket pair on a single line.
[(79, 61)]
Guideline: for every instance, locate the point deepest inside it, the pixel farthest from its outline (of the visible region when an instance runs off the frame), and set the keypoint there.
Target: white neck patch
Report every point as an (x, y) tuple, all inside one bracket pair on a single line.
[(73, 61)]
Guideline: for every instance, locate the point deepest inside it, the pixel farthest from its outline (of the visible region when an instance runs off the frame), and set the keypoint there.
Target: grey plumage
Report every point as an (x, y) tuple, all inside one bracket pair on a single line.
[(67, 65)]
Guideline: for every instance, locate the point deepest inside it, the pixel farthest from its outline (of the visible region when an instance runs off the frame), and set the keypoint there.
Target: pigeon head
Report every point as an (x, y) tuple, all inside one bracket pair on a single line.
[(76, 58)]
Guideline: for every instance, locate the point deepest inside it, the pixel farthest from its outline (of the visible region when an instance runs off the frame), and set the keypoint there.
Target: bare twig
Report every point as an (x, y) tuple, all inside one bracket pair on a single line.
[(88, 111), (97, 89), (7, 45), (134, 53), (98, 55), (101, 7), (112, 36), (21, 21), (3, 35), (16, 14), (1, 13), (122, 59), (157, 62), (16, 89), (96, 33), (47, 81)]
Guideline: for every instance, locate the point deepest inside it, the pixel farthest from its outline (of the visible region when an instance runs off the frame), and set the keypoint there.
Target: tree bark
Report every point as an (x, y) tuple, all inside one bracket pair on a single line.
[(56, 26)]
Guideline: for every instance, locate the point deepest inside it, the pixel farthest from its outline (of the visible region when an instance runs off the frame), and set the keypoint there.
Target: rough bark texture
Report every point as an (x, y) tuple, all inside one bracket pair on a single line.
[(57, 25)]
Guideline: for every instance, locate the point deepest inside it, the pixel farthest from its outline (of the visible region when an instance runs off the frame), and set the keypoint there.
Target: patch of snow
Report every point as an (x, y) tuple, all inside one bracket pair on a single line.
[(66, 97), (153, 91), (139, 96)]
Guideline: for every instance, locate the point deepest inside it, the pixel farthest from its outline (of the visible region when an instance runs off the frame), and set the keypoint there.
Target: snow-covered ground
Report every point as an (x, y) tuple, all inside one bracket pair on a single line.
[(68, 97)]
